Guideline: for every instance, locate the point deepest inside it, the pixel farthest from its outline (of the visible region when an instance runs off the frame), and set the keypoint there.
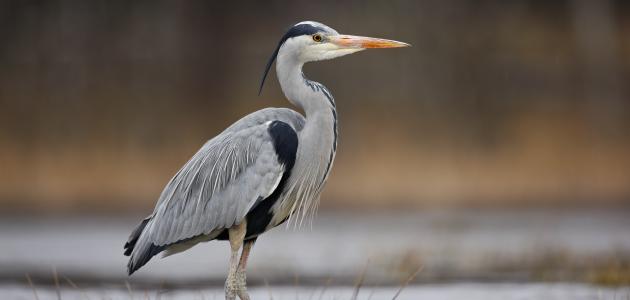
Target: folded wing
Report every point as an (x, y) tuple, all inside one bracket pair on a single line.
[(214, 190)]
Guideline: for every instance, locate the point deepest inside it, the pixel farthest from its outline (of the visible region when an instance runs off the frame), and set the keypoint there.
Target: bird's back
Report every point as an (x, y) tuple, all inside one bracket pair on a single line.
[(226, 179)]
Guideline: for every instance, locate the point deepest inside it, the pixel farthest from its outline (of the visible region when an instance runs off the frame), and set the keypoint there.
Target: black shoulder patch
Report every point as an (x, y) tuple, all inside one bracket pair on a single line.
[(285, 142)]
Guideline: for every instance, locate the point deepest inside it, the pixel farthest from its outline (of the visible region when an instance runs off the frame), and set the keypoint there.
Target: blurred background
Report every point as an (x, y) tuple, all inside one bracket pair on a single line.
[(521, 108), (497, 103)]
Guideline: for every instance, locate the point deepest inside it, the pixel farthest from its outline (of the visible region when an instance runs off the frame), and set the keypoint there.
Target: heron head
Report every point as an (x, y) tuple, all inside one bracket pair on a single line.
[(312, 41)]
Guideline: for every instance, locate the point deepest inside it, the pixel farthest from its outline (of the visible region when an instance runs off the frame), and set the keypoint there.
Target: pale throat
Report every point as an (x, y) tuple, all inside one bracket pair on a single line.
[(318, 106), (316, 102), (298, 89)]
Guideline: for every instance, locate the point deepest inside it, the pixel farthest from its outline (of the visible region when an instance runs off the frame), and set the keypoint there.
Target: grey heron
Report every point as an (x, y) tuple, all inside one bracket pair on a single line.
[(267, 168)]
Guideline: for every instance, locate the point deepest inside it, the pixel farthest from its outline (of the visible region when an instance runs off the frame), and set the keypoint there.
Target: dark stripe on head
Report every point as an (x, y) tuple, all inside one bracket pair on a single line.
[(296, 30)]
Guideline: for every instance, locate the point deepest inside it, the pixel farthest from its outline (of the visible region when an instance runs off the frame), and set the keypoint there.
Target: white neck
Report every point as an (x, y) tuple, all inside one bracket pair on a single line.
[(318, 139), (307, 95)]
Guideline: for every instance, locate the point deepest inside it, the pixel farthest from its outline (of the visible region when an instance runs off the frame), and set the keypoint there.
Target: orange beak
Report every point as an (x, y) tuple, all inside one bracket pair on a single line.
[(353, 41)]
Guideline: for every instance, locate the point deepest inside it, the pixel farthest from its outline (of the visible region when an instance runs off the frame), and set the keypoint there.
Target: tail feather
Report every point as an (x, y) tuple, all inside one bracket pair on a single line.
[(142, 256), (141, 249), (133, 238), (141, 252)]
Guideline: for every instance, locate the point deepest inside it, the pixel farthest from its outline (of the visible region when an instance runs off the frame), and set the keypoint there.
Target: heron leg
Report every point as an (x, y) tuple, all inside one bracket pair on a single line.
[(241, 274), (236, 234)]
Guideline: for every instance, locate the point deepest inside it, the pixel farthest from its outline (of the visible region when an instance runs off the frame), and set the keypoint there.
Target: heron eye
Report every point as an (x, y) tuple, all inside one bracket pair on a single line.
[(317, 38)]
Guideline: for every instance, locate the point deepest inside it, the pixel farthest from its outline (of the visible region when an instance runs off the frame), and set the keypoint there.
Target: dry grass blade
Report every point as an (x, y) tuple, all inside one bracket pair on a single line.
[(158, 293), (268, 289), (371, 295), (30, 283), (296, 278), (409, 279), (326, 285), (56, 279), (312, 295), (360, 281), (129, 289), (76, 287), (373, 291)]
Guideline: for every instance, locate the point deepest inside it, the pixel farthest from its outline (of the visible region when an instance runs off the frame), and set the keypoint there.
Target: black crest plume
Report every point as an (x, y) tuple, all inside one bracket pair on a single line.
[(297, 30)]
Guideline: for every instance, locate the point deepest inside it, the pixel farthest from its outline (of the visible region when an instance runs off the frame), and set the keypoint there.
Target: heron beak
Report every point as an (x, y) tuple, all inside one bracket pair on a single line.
[(362, 42)]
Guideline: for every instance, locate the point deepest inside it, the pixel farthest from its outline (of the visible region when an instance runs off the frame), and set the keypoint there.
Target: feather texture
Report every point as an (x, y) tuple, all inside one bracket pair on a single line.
[(217, 187)]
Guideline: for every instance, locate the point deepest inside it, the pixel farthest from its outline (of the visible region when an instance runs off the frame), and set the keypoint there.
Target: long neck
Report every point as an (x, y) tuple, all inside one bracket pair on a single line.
[(318, 139), (317, 103), (310, 96)]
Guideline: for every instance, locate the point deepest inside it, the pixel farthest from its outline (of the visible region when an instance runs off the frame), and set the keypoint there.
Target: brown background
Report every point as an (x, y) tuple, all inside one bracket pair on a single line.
[(498, 103)]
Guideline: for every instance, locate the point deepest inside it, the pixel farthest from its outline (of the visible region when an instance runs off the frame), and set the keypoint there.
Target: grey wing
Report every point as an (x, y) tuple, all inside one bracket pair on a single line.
[(215, 189)]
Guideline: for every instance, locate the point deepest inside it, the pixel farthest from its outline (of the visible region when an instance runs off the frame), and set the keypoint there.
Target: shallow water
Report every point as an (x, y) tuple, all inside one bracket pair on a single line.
[(463, 255), (449, 245), (468, 291)]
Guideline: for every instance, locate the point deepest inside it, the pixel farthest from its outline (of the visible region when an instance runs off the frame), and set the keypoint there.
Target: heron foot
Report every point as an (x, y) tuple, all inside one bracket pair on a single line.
[(236, 285)]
